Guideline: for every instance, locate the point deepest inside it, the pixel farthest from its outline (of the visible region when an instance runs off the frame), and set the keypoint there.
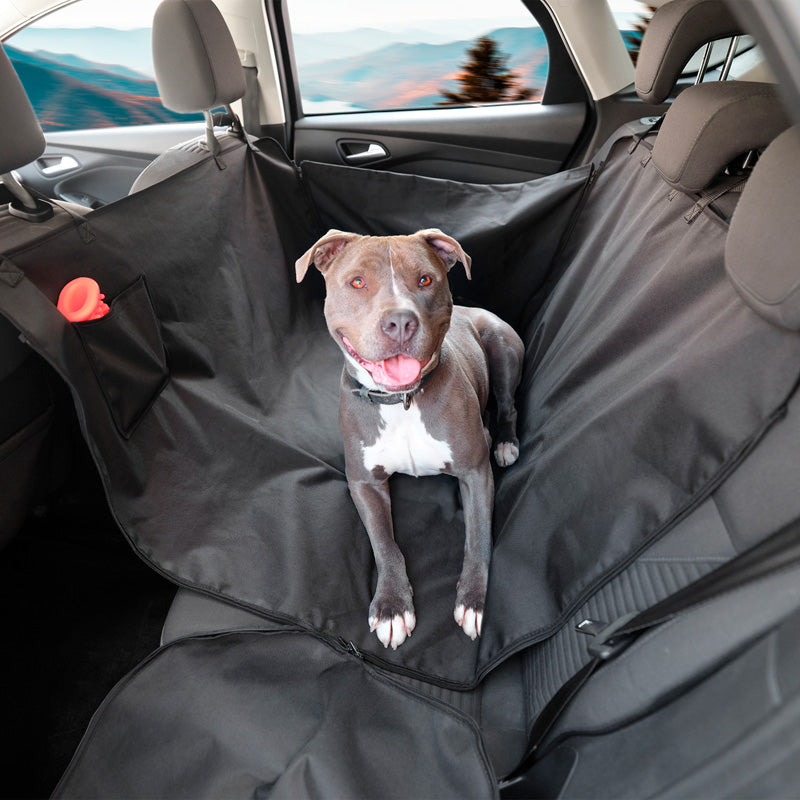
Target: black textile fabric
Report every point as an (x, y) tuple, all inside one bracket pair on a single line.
[(230, 478), (645, 384), (511, 231), (645, 380), (305, 728)]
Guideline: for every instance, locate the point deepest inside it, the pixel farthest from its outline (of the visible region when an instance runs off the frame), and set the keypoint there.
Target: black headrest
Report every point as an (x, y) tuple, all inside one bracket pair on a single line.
[(675, 32), (21, 137), (195, 59), (710, 124), (761, 252)]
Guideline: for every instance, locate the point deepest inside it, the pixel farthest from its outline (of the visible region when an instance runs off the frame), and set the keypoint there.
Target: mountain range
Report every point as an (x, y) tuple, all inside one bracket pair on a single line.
[(401, 75), (98, 45), (67, 92)]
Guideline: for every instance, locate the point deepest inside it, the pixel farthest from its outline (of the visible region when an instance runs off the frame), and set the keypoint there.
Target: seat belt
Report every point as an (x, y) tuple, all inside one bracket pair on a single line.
[(776, 552)]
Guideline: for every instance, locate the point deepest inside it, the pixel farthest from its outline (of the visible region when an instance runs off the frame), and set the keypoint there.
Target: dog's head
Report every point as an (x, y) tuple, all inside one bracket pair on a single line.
[(388, 303)]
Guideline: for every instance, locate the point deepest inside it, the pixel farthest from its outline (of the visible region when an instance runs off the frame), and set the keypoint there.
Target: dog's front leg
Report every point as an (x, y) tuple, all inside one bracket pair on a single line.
[(391, 613), (477, 497)]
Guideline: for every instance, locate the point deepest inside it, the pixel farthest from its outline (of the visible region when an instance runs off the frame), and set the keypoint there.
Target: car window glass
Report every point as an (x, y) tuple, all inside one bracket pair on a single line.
[(418, 54), (89, 65)]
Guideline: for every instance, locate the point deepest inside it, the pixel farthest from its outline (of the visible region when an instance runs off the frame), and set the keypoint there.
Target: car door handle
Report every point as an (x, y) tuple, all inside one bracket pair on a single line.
[(55, 165), (361, 152)]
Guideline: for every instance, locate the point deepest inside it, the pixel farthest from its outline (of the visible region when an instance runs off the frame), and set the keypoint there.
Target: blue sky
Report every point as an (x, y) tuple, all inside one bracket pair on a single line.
[(326, 15), (307, 15), (114, 14)]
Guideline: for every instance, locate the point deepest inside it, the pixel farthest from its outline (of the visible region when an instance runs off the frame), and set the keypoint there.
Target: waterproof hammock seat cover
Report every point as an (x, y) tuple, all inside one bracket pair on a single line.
[(209, 392)]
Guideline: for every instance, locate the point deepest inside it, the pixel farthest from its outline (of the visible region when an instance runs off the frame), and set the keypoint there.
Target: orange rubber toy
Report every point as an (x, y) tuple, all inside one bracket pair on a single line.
[(81, 300)]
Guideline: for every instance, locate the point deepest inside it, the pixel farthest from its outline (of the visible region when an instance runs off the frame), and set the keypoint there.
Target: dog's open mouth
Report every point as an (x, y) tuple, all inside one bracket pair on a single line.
[(394, 373)]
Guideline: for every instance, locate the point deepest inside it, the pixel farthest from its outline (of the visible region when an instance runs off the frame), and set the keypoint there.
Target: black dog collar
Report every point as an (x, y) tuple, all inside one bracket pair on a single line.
[(384, 398)]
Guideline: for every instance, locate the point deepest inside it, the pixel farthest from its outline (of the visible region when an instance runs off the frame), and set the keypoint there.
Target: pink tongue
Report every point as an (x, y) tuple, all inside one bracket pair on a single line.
[(398, 370)]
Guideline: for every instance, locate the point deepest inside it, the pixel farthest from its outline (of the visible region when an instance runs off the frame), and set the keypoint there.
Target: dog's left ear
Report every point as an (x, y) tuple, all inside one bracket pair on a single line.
[(447, 248)]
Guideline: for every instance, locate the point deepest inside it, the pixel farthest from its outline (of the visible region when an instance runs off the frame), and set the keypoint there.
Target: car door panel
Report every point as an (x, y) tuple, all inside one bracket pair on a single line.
[(486, 142), (492, 144), (96, 167)]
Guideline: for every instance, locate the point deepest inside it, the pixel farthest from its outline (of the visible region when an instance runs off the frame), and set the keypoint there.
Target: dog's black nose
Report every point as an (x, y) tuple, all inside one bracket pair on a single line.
[(400, 326)]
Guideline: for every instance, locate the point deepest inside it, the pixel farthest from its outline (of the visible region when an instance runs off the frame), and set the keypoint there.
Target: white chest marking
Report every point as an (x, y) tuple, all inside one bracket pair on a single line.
[(404, 444)]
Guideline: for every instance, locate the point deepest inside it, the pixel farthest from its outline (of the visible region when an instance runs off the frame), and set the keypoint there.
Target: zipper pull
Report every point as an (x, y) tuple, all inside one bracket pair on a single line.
[(350, 648)]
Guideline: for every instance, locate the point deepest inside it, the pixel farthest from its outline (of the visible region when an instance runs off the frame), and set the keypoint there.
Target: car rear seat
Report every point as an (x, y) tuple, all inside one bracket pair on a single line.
[(706, 128), (717, 686)]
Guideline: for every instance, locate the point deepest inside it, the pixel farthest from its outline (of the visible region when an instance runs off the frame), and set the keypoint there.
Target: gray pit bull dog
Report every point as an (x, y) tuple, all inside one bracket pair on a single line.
[(413, 394)]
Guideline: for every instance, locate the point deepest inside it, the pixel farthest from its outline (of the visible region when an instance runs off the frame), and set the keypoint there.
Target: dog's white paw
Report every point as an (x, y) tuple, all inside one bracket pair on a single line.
[(470, 620), (506, 453), (395, 630)]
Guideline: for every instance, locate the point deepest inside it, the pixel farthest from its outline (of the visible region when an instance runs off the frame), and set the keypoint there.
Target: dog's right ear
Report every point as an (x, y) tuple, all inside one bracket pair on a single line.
[(322, 252)]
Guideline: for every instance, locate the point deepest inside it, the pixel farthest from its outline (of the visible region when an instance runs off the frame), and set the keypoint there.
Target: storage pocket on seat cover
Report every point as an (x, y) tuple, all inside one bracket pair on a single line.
[(127, 355)]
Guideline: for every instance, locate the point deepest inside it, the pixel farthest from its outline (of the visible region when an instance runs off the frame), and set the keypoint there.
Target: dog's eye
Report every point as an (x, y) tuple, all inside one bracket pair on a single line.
[(424, 281), (358, 283)]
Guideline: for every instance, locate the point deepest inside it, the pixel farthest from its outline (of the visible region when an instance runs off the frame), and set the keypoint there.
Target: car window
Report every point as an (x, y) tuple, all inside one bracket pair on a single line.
[(89, 65), (417, 54)]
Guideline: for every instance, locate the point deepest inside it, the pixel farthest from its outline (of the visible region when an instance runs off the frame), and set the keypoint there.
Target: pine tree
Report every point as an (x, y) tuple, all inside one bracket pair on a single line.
[(485, 77)]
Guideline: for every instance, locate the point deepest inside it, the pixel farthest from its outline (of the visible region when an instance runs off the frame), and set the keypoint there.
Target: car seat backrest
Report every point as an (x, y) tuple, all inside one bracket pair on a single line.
[(633, 226), (20, 143), (673, 35), (756, 500), (197, 68), (764, 238), (711, 124)]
